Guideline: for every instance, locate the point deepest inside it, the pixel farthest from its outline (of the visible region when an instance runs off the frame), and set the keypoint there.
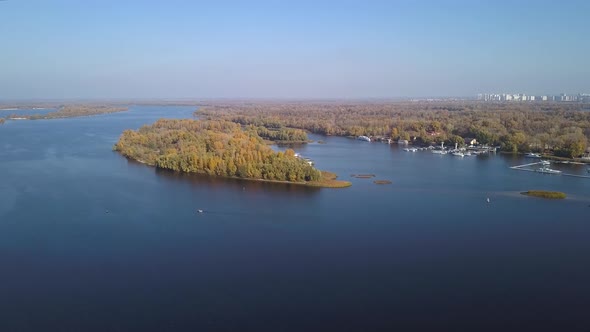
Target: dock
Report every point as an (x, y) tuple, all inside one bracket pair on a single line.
[(522, 168)]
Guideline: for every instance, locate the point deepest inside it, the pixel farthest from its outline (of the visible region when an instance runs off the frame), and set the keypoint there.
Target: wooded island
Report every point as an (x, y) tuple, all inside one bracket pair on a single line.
[(219, 148)]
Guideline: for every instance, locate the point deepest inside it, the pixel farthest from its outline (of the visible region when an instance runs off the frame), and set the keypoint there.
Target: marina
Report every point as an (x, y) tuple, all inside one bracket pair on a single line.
[(539, 166)]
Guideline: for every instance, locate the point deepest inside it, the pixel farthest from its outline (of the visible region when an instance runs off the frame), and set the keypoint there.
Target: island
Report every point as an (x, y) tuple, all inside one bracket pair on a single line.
[(545, 194), (382, 182), (61, 111), (70, 111), (219, 148)]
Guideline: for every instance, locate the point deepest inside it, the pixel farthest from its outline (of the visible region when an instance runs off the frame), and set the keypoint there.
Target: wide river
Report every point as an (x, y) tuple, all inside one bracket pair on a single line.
[(90, 241)]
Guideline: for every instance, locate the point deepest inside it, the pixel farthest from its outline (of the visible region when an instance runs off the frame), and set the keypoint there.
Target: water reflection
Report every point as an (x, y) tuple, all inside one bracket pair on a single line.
[(247, 186)]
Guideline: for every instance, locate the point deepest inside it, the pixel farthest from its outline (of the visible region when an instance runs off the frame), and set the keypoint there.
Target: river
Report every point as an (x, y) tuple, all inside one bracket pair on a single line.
[(90, 241)]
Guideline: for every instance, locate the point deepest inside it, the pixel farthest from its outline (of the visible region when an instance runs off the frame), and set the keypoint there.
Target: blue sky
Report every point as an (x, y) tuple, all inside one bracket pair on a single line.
[(291, 49)]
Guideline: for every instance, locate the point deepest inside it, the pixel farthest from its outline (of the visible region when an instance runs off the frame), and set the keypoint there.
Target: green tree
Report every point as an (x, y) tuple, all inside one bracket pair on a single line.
[(455, 139)]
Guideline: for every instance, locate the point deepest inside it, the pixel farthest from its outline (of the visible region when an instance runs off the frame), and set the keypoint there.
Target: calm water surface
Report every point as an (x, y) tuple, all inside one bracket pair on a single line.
[(425, 253)]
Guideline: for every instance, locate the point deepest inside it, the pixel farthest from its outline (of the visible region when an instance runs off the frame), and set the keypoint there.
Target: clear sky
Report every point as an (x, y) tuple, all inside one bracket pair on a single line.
[(291, 49)]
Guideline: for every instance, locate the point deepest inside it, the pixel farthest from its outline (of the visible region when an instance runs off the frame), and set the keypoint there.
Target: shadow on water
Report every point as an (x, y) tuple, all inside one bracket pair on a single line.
[(249, 186)]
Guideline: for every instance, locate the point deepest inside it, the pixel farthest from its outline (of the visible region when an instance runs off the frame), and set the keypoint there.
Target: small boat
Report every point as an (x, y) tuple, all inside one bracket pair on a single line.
[(439, 151), (532, 155), (548, 170), (410, 149), (200, 211), (488, 199), (458, 154), (364, 138), (545, 162)]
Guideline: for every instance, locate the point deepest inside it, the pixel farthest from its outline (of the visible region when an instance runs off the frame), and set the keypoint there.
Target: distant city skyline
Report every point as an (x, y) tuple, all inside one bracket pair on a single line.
[(66, 49), (562, 97)]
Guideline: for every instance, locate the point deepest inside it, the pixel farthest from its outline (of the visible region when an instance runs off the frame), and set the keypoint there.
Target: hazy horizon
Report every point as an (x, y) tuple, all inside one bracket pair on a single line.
[(64, 49)]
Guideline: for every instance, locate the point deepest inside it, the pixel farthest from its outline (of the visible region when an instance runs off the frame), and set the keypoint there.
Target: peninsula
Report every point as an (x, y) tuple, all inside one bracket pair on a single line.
[(71, 111), (219, 148)]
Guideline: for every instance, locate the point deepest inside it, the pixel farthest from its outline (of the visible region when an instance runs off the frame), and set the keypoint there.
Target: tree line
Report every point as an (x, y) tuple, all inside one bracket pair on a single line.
[(562, 129), (280, 135)]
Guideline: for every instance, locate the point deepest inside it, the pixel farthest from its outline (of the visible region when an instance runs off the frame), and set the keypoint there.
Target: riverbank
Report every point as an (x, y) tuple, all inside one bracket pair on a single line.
[(327, 179)]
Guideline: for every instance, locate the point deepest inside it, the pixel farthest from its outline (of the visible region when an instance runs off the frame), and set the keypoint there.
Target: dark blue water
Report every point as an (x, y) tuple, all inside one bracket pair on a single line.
[(426, 253)]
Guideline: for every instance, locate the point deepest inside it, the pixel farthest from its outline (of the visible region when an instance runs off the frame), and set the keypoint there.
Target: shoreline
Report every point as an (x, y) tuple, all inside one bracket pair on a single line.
[(328, 178)]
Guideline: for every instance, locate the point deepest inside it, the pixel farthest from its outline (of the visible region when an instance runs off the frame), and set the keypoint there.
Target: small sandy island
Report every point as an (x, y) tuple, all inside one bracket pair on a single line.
[(545, 194)]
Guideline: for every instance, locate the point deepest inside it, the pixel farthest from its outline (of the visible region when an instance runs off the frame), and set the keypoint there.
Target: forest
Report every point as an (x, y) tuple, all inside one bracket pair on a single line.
[(562, 129), (281, 135), (217, 148)]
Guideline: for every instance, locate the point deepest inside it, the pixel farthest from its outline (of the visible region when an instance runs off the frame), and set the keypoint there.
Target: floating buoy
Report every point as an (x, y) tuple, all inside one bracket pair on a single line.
[(107, 211)]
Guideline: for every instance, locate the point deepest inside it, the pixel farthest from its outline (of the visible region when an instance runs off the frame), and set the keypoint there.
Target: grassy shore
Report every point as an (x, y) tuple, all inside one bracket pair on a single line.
[(328, 180), (545, 194)]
